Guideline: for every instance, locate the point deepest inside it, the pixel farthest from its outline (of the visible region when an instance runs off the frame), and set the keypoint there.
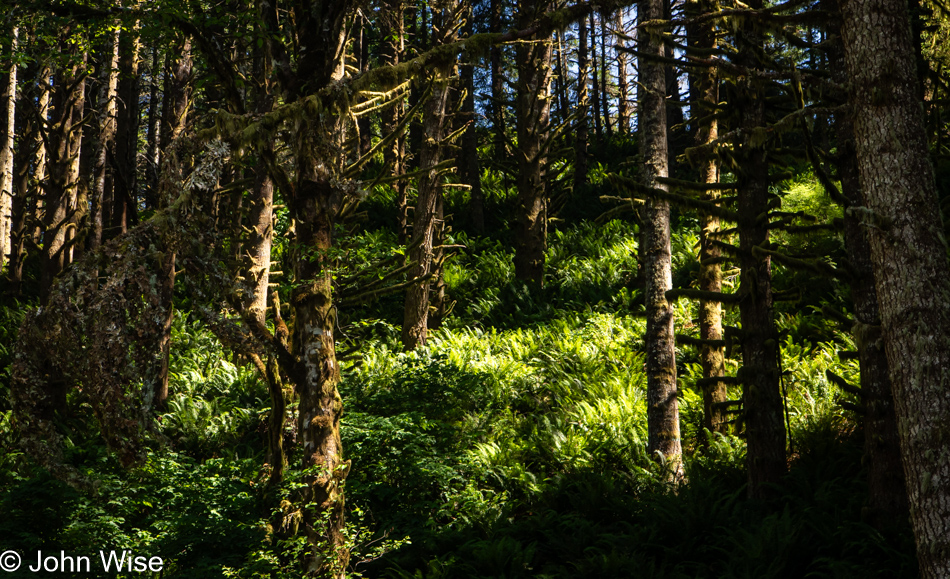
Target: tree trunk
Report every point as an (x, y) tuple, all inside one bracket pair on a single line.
[(580, 127), (124, 209), (595, 86), (256, 274), (497, 82), (560, 78), (23, 210), (109, 79), (532, 113), (65, 139), (604, 95), (394, 156), (468, 160), (41, 166), (363, 123), (887, 492), (909, 256), (662, 407), (426, 216), (6, 153), (761, 393), (704, 96), (315, 203), (177, 95), (623, 112), (152, 154)]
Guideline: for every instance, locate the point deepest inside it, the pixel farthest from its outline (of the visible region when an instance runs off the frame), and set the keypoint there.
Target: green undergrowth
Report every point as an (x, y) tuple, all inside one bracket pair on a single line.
[(512, 445), (521, 453)]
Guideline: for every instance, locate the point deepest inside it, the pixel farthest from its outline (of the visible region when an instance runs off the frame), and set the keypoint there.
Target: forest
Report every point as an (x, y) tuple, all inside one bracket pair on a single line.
[(410, 289)]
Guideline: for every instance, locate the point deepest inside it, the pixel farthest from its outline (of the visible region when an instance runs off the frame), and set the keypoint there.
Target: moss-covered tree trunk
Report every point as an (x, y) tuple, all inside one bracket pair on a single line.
[(704, 92), (532, 112), (317, 374), (761, 392), (426, 212), (394, 157), (316, 200), (662, 407), (909, 256)]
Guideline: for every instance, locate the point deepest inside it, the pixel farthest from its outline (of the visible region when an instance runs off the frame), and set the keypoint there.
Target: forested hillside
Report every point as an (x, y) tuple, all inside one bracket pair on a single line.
[(482, 288)]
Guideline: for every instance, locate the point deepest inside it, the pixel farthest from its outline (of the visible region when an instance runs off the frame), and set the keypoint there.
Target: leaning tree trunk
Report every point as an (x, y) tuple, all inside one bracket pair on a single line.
[(704, 92), (662, 408), (909, 255), (532, 110)]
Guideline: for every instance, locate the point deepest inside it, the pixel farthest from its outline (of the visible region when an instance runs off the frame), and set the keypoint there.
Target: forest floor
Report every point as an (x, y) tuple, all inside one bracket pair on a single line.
[(512, 445)]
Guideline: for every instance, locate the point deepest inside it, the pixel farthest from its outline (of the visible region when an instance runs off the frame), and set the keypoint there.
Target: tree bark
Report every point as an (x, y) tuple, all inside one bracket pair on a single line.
[(595, 85), (316, 201), (581, 124), (65, 139), (662, 407), (604, 95), (178, 96), (24, 207), (887, 492), (394, 156), (532, 111), (560, 78), (152, 153), (498, 97), (761, 393), (623, 109), (704, 96), (109, 79), (909, 255), (6, 153), (468, 160), (426, 216), (124, 212)]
